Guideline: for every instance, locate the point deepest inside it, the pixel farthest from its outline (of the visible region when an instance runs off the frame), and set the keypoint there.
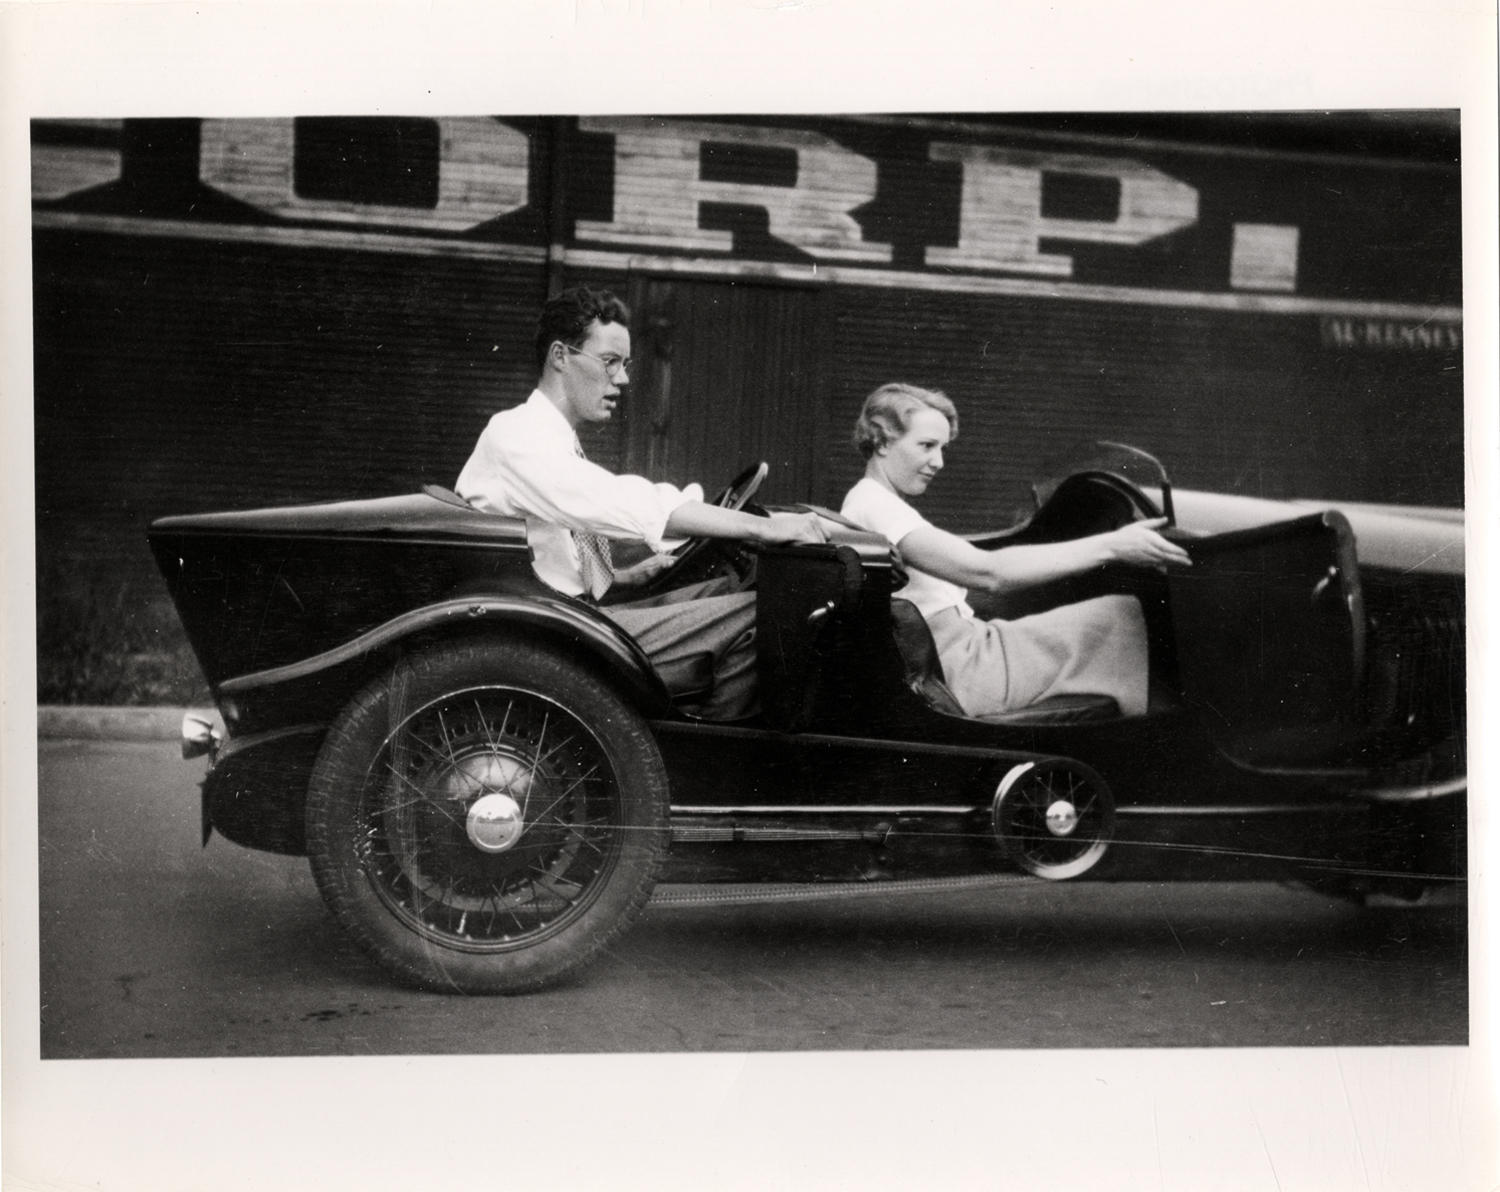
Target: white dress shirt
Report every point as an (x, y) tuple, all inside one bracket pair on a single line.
[(527, 464), (875, 507)]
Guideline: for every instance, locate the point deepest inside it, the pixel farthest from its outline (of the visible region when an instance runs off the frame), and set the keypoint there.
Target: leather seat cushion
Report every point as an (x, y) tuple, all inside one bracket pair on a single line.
[(924, 675), (1060, 709)]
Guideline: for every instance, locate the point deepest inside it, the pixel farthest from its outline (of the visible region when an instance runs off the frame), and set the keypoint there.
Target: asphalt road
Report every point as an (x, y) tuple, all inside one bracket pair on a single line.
[(153, 947)]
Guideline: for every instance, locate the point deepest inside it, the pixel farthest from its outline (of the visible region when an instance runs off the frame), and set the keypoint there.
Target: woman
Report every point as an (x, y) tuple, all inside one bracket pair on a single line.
[(1095, 646)]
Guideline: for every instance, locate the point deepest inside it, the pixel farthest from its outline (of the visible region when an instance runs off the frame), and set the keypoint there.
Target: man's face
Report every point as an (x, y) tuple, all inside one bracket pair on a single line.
[(593, 372)]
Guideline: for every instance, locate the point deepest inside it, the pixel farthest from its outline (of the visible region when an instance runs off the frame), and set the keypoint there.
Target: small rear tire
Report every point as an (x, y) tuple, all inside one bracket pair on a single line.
[(1054, 818)]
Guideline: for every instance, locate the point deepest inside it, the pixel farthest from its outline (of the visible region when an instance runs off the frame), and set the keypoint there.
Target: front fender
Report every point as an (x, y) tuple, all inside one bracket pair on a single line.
[(343, 668)]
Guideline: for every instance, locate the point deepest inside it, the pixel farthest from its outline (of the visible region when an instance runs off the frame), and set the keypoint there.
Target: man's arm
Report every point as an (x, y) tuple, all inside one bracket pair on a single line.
[(694, 519), (523, 469), (779, 527)]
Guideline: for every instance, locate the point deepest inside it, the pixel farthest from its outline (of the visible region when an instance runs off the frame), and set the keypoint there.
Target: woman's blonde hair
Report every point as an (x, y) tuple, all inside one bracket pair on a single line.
[(887, 412)]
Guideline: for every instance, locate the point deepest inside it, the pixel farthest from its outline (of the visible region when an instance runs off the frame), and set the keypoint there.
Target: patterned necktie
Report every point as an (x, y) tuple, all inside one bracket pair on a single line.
[(594, 559)]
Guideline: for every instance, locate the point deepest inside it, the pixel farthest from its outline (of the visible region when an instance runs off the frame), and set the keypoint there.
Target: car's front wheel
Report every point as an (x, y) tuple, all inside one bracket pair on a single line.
[(487, 817)]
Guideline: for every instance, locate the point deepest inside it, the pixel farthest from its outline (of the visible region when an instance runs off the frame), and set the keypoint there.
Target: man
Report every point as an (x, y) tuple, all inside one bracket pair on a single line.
[(528, 463)]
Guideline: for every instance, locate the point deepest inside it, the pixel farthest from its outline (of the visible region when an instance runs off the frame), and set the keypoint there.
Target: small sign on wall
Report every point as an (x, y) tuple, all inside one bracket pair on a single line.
[(1392, 334)]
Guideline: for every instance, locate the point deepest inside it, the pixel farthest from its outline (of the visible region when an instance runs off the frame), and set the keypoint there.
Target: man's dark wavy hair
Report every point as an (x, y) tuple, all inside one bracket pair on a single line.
[(568, 316)]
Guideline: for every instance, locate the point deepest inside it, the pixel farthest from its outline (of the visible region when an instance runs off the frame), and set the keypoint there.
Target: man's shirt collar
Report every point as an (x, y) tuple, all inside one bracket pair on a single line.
[(550, 416)]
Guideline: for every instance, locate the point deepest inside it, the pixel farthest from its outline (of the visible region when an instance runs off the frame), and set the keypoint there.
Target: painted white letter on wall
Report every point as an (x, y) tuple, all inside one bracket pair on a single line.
[(658, 187), (1001, 218), (482, 173), (1264, 257), (61, 170)]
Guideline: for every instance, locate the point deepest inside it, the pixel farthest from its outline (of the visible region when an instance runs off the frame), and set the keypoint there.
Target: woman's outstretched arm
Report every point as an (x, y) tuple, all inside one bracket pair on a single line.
[(950, 557)]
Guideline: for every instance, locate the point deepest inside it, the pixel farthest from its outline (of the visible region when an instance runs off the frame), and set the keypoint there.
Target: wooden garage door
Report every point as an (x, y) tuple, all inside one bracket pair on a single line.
[(725, 376)]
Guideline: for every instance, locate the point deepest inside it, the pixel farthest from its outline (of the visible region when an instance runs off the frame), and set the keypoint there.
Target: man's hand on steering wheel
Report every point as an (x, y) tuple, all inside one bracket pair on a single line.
[(794, 527)]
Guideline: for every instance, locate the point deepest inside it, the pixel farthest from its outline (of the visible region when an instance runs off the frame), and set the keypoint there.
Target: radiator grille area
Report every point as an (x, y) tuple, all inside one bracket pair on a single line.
[(1415, 682)]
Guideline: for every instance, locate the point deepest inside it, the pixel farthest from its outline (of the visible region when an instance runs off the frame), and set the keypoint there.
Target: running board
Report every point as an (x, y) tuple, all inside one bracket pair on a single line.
[(701, 825), (872, 823)]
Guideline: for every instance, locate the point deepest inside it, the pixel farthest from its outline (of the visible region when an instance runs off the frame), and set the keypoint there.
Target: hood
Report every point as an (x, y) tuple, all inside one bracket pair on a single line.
[(1402, 538)]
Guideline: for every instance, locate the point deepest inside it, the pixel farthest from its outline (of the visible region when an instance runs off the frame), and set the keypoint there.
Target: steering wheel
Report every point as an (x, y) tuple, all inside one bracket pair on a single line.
[(743, 487), (699, 559), (736, 496)]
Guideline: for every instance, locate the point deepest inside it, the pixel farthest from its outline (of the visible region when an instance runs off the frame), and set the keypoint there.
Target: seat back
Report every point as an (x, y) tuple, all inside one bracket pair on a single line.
[(924, 670)]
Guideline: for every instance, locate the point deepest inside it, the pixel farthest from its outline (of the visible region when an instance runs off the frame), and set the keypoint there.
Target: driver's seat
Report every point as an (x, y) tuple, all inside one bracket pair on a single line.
[(924, 675)]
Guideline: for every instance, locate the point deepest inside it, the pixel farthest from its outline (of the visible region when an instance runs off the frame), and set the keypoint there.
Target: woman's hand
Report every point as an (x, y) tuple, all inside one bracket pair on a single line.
[(1140, 545)]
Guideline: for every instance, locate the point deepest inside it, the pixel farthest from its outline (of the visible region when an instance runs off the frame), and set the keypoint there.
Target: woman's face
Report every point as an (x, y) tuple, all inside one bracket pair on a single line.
[(911, 462)]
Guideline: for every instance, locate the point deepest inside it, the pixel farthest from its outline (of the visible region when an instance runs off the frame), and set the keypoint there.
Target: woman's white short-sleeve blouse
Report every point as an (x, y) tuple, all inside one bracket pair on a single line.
[(873, 506)]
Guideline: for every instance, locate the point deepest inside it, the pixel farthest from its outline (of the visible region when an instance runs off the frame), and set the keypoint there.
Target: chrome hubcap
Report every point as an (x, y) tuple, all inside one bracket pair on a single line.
[(1062, 818), (496, 818), (494, 823), (1054, 818)]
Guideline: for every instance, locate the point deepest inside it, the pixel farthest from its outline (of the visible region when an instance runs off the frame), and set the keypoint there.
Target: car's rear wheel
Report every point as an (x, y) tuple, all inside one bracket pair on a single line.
[(487, 817)]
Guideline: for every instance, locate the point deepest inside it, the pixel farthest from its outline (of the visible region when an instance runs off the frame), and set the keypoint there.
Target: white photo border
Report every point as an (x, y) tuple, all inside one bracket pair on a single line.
[(1276, 1118)]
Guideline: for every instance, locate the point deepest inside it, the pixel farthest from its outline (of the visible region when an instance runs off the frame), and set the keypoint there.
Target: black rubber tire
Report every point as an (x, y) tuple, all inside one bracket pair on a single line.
[(403, 874)]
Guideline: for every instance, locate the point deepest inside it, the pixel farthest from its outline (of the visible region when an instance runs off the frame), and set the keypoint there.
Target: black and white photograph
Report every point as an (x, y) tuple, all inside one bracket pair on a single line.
[(908, 595)]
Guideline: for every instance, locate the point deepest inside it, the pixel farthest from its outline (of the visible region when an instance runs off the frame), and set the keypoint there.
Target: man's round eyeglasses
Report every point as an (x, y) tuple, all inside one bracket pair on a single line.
[(613, 365)]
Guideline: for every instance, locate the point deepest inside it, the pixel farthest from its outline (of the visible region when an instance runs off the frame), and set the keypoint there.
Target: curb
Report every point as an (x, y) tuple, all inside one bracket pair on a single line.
[(82, 722)]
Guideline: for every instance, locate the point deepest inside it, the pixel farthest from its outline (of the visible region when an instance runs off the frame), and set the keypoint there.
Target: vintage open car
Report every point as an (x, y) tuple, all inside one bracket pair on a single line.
[(490, 778)]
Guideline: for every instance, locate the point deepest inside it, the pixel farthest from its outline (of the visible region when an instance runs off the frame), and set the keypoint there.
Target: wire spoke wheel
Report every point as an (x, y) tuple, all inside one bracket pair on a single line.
[(487, 818), (1054, 818), (425, 848)]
